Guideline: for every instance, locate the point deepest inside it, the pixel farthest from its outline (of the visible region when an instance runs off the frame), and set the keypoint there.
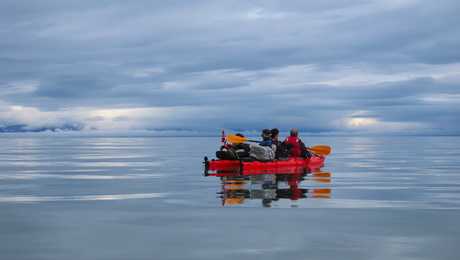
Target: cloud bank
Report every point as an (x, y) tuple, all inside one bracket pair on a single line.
[(333, 66)]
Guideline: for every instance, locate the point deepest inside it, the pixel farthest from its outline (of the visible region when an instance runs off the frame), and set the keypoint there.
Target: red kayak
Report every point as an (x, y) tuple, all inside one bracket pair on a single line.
[(277, 166)]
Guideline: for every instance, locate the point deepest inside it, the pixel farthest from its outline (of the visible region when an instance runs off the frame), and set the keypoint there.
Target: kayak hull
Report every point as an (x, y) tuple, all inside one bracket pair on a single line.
[(291, 165)]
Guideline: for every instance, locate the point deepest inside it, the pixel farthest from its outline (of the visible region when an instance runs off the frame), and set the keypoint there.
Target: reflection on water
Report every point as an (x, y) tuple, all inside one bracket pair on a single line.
[(238, 188)]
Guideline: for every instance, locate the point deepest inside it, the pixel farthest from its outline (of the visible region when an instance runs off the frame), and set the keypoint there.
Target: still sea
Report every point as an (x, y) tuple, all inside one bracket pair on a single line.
[(70, 197)]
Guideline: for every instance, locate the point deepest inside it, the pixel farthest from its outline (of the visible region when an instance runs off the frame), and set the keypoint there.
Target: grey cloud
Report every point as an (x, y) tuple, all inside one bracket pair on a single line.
[(72, 87), (227, 53)]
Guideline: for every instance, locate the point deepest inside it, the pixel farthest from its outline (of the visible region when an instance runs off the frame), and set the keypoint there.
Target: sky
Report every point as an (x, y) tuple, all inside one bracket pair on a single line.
[(390, 67)]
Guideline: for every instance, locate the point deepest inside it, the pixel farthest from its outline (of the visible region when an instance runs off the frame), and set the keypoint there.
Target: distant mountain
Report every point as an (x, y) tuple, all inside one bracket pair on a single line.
[(23, 128)]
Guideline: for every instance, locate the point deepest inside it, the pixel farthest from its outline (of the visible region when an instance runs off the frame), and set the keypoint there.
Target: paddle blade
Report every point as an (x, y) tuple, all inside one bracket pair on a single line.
[(321, 149), (324, 177), (234, 201), (321, 193), (321, 174), (234, 139)]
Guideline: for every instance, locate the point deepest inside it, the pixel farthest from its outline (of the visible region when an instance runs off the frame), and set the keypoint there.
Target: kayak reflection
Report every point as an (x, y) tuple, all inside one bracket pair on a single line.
[(238, 188)]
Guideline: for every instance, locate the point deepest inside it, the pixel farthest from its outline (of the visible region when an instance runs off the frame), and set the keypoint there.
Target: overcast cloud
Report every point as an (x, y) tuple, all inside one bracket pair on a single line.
[(324, 66)]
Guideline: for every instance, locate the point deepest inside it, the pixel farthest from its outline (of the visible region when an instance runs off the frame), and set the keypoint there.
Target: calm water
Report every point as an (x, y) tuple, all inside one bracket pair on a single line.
[(146, 198)]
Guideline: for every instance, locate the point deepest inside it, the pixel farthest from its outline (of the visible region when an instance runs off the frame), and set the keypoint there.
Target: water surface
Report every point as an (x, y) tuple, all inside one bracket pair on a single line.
[(146, 198)]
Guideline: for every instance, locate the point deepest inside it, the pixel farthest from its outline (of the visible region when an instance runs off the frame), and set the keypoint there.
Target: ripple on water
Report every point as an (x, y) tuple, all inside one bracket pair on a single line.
[(32, 199)]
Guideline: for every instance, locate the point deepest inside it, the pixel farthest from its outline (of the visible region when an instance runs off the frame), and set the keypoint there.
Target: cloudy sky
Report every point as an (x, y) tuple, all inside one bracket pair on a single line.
[(324, 66)]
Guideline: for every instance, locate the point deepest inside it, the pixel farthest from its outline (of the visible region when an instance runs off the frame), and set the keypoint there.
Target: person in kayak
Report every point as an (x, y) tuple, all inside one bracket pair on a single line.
[(281, 149), (296, 147), (275, 136), (266, 138), (265, 150)]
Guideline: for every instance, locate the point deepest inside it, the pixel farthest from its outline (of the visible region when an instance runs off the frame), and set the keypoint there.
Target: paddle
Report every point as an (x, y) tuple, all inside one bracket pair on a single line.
[(317, 149), (320, 149), (235, 139)]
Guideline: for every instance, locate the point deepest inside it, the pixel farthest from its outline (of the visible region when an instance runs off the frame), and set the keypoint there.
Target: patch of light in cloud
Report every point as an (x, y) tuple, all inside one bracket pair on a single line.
[(361, 121), (260, 13), (126, 118), (358, 121), (146, 72), (32, 116), (442, 98)]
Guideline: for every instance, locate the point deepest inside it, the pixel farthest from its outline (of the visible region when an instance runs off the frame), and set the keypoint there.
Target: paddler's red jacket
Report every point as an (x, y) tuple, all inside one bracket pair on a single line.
[(296, 145)]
